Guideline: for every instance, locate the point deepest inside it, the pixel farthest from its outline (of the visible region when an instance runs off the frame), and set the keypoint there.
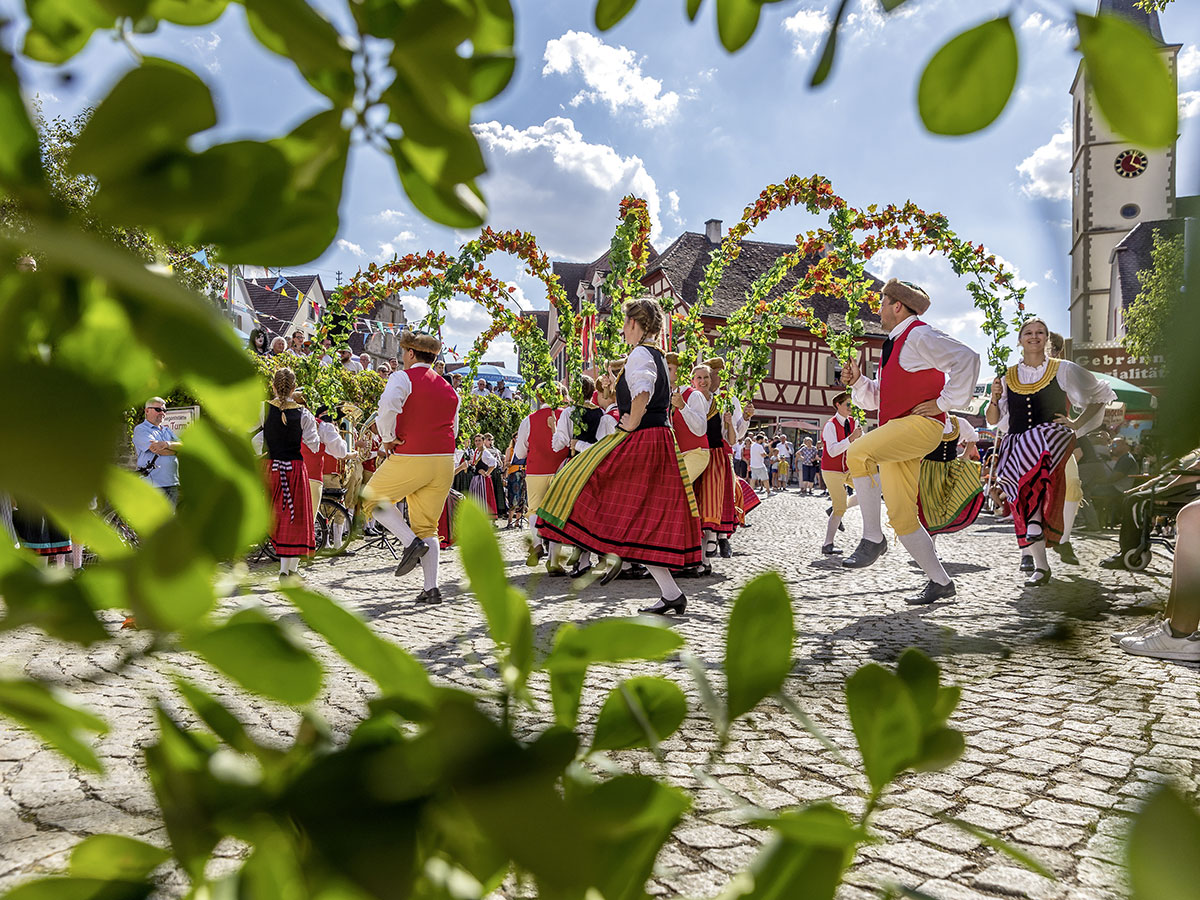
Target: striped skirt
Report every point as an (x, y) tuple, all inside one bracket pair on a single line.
[(626, 495), (37, 533), (1031, 470), (481, 490), (716, 493), (291, 508), (745, 499), (949, 495)]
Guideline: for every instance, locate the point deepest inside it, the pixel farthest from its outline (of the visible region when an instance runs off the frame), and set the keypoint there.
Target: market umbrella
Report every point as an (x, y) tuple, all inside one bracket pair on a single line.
[(493, 374), (976, 405), (1134, 398)]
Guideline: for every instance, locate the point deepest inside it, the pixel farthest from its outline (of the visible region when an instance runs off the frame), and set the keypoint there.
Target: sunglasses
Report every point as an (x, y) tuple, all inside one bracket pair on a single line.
[(156, 409)]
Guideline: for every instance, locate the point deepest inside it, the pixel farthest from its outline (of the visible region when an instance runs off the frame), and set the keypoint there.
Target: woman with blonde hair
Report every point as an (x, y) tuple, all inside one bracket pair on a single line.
[(628, 495)]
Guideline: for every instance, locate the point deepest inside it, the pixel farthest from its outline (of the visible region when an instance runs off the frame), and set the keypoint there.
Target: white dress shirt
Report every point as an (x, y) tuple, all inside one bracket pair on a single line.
[(308, 429), (640, 372), (966, 431), (829, 437), (521, 448), (740, 423), (564, 431), (695, 412), (332, 440), (927, 348), (391, 404), (1081, 387)]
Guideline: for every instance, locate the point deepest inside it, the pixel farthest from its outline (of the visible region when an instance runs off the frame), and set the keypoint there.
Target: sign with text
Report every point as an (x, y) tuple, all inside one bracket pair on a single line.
[(1115, 361), (178, 418)]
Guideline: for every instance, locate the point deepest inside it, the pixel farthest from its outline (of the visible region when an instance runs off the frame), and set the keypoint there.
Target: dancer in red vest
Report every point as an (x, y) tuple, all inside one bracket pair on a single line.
[(689, 418), (923, 374), (418, 420), (837, 435), (535, 444)]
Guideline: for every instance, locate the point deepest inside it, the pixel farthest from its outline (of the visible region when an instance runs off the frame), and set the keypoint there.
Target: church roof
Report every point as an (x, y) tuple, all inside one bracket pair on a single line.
[(684, 261), (1133, 255), (1147, 21)]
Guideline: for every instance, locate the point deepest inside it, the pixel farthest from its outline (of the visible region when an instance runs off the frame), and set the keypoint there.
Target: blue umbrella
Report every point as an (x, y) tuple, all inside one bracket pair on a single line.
[(493, 374)]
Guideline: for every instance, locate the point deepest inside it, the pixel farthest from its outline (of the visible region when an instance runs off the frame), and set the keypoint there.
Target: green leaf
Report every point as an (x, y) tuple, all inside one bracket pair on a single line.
[(1160, 868), (821, 824), (259, 655), (886, 723), (996, 843), (34, 595), (786, 868), (939, 749), (457, 204), (293, 29), (187, 12), (79, 889), (758, 644), (390, 666), (217, 717), (889, 5), (639, 712), (58, 29), (20, 159), (736, 21), (609, 640), (50, 715), (115, 857), (142, 506), (610, 12), (693, 8), (966, 85), (825, 63), (1129, 78)]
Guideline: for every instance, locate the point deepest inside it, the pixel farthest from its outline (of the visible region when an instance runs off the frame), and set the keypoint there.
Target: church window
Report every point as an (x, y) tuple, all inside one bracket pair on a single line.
[(1130, 211)]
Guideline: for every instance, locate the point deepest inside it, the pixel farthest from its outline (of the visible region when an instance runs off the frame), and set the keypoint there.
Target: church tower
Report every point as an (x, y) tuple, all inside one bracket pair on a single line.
[(1115, 185)]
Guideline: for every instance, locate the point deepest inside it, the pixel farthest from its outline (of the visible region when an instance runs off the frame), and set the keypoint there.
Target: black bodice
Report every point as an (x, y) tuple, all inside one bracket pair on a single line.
[(1026, 411), (716, 429), (660, 398), (282, 435), (946, 450), (589, 422)]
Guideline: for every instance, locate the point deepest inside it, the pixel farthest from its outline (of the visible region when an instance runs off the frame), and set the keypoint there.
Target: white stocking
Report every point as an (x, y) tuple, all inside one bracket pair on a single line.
[(429, 562), (871, 502), (338, 530), (920, 547), (831, 528), (1038, 551), (667, 587), (852, 502), (389, 517), (1070, 509)]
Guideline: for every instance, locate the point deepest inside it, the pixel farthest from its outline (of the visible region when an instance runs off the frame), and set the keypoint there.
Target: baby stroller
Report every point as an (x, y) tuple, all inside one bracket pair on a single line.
[(1155, 507)]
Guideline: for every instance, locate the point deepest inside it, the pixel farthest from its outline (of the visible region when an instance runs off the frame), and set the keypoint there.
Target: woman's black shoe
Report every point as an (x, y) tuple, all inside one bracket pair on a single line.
[(579, 573), (725, 548), (664, 606), (1040, 577), (634, 573), (1026, 563), (829, 550)]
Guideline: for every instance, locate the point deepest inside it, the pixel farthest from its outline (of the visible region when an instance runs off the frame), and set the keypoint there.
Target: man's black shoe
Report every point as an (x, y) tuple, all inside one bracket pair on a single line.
[(433, 595), (725, 548), (933, 592), (1114, 562), (410, 557), (1066, 553), (865, 554)]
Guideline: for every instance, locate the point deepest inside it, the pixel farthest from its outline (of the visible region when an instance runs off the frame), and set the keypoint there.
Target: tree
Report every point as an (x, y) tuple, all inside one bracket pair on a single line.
[(1149, 319)]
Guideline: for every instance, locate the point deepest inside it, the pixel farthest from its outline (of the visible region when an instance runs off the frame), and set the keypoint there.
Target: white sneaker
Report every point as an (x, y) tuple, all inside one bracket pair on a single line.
[(1146, 627), (1161, 644)]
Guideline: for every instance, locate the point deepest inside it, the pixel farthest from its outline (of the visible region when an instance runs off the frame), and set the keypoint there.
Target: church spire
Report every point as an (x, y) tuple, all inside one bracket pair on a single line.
[(1128, 9)]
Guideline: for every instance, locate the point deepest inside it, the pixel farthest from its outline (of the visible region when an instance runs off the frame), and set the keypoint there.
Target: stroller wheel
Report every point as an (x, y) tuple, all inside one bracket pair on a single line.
[(1137, 559)]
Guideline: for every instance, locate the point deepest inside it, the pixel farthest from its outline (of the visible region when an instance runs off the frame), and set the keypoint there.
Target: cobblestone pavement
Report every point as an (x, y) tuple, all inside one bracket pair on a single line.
[(1065, 733)]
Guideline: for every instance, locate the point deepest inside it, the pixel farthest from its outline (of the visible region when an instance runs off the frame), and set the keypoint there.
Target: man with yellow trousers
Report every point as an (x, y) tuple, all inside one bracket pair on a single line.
[(923, 374), (418, 421)]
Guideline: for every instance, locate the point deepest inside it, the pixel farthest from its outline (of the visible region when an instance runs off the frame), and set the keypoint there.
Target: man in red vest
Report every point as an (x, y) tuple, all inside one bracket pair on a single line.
[(418, 421), (837, 435), (923, 374), (535, 444)]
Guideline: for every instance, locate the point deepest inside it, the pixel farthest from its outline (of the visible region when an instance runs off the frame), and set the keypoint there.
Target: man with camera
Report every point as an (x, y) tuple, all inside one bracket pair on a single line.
[(156, 446)]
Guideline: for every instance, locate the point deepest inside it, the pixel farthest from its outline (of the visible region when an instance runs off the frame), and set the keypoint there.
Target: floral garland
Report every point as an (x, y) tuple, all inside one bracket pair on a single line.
[(628, 256)]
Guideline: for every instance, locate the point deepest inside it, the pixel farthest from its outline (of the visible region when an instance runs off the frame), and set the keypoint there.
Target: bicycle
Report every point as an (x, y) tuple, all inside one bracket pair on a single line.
[(113, 520), (332, 520)]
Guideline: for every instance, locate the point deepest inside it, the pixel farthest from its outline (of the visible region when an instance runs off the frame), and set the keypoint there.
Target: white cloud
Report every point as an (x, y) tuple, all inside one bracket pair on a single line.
[(1189, 62), (352, 249), (613, 75), (205, 46), (390, 216), (388, 249), (1046, 172), (465, 321), (1049, 276), (807, 27), (549, 180), (1189, 104), (1036, 24)]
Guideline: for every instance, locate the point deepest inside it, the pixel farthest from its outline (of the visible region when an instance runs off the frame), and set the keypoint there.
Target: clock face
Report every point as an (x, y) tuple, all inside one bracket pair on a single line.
[(1131, 163)]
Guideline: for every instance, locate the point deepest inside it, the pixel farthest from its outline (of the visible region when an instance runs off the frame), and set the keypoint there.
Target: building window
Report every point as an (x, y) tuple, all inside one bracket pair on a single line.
[(1130, 211)]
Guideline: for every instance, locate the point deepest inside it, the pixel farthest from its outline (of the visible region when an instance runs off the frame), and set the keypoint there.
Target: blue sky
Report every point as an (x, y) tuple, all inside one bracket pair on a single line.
[(658, 108)]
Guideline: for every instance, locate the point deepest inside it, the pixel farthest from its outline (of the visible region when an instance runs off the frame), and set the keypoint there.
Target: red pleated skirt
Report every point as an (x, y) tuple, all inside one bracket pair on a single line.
[(635, 504), (749, 497), (481, 490), (291, 508), (716, 493)]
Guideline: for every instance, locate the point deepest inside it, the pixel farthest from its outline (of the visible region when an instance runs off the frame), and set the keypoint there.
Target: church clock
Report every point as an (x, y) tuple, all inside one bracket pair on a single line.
[(1131, 163)]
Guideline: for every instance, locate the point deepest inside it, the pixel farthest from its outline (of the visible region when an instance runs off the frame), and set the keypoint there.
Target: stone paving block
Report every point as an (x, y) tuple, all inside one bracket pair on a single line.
[(918, 857), (1063, 813), (1047, 834), (1007, 879), (949, 838)]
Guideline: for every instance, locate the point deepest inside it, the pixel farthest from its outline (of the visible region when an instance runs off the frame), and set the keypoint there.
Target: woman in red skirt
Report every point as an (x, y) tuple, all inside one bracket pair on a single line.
[(285, 426), (628, 495)]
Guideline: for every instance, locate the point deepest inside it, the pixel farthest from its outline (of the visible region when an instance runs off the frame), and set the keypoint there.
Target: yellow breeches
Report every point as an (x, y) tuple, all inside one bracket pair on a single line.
[(895, 451), (1074, 491), (836, 483), (423, 481), (316, 488), (535, 493), (696, 461)]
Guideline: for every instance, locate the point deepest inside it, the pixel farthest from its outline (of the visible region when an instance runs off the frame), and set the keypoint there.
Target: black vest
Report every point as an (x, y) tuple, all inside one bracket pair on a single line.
[(1026, 411), (946, 450), (660, 398), (589, 422), (280, 437), (716, 429)]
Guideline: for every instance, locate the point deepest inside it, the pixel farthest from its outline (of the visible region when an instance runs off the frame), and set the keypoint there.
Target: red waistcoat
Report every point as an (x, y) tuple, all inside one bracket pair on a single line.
[(314, 463), (427, 423), (683, 435), (836, 463), (901, 390), (543, 459)]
